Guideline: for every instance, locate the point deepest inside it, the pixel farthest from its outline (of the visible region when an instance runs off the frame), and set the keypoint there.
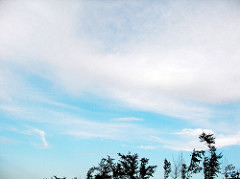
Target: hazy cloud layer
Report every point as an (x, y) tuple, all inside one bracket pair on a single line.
[(171, 58)]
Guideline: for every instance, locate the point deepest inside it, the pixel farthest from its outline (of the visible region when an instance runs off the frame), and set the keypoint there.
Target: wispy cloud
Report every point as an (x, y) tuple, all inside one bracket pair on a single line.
[(147, 147), (222, 140), (127, 119), (63, 122), (5, 140), (194, 132), (87, 129), (27, 131), (188, 139), (42, 136), (228, 139)]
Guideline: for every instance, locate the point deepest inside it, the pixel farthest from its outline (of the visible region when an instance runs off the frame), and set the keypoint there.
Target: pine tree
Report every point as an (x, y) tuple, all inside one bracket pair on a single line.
[(145, 171), (128, 167), (211, 163), (167, 168)]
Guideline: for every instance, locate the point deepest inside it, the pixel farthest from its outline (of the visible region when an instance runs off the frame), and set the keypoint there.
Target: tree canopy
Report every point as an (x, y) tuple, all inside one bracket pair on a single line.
[(128, 167)]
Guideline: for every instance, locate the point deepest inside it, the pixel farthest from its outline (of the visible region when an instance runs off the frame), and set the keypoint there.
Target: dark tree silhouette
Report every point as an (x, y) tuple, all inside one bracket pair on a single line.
[(184, 171), (59, 178), (167, 168), (127, 167), (145, 171), (211, 163), (208, 138), (104, 170), (194, 166), (230, 172)]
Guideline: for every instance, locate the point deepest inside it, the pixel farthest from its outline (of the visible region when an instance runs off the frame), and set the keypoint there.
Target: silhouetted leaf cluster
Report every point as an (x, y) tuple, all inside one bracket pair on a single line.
[(128, 167), (231, 172), (211, 162), (167, 168)]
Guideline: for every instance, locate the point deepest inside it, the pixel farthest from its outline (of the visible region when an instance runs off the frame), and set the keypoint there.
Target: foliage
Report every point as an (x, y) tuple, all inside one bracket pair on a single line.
[(167, 168), (194, 166), (184, 171), (145, 171), (127, 167), (231, 172), (211, 163), (176, 169)]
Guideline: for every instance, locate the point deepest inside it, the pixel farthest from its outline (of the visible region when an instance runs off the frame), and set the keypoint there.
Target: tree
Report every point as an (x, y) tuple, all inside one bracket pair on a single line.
[(194, 166), (176, 169), (90, 173), (145, 171), (184, 171), (58, 177), (211, 163), (103, 171), (127, 167), (167, 168), (230, 172)]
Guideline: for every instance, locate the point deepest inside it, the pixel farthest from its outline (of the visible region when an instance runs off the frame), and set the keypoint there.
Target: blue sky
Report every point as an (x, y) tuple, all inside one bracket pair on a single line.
[(80, 80)]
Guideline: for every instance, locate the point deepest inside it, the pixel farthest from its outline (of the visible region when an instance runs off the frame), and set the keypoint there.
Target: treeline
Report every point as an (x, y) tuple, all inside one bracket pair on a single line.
[(130, 166)]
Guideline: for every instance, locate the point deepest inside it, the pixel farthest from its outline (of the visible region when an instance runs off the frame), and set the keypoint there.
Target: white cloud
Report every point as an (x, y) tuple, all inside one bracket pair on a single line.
[(42, 135), (127, 119), (228, 139), (188, 139), (177, 59), (194, 132), (222, 140), (63, 121), (86, 129), (147, 147), (5, 140), (179, 144), (29, 131)]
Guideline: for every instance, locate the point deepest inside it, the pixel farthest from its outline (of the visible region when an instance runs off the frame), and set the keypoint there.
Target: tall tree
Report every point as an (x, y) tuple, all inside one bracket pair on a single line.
[(183, 171), (211, 163), (194, 166), (129, 165), (103, 170), (167, 168), (146, 171), (176, 169)]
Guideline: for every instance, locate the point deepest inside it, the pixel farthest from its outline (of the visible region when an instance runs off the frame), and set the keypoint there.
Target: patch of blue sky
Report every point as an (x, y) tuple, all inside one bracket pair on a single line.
[(88, 106)]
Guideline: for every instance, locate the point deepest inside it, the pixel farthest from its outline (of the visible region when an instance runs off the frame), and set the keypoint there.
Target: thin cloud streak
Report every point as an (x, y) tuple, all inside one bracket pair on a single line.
[(42, 134), (147, 147), (5, 140), (86, 129), (127, 119)]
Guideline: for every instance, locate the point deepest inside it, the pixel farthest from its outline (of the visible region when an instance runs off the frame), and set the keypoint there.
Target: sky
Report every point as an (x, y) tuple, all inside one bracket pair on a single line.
[(80, 80)]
